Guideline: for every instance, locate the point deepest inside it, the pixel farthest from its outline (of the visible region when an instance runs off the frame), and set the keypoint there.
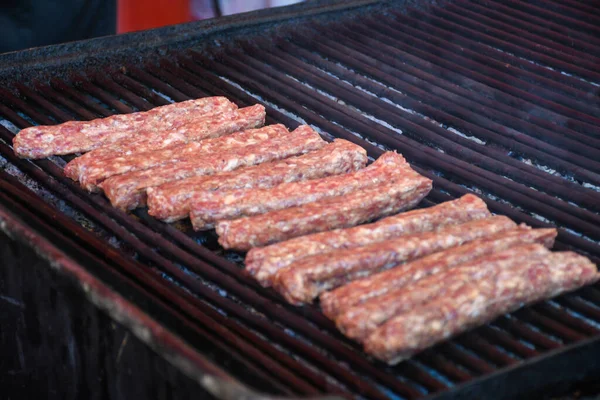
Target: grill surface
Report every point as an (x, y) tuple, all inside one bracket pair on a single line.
[(499, 98)]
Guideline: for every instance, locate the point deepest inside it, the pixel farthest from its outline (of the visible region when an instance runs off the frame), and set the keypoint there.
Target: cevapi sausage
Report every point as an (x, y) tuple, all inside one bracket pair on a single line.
[(335, 212), (210, 126), (128, 191), (211, 207), (264, 262), (359, 321), (171, 202), (339, 300), (79, 136), (302, 281), (479, 301), (94, 174)]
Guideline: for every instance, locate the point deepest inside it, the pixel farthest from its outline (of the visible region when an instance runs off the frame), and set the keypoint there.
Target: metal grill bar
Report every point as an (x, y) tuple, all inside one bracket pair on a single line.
[(471, 59), (414, 81), (70, 92), (559, 314), (504, 114), (521, 37), (400, 70), (548, 23), (582, 8), (525, 332), (509, 342), (479, 345), (541, 28), (139, 89), (580, 306), (514, 44), (459, 356), (557, 13), (549, 325)]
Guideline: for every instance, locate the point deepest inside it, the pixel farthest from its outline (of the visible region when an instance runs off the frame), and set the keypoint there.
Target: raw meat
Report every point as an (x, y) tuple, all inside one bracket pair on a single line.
[(359, 321), (128, 191), (304, 280), (264, 262), (93, 174), (360, 291), (479, 300), (79, 136), (335, 212), (212, 207), (171, 201), (207, 127)]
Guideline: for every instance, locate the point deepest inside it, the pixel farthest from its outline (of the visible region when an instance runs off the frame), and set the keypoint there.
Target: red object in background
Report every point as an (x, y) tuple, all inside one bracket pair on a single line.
[(135, 15)]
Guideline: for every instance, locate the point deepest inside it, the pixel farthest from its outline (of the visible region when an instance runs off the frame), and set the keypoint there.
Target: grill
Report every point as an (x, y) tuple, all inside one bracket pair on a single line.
[(499, 98)]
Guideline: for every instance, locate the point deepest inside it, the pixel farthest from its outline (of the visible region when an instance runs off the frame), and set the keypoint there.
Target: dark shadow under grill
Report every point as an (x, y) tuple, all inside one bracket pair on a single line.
[(499, 98)]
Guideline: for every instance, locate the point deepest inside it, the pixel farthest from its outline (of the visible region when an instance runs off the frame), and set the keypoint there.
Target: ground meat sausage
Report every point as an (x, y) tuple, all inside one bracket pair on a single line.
[(171, 201), (339, 300), (211, 126), (211, 207), (359, 321), (80, 136), (264, 262), (302, 281), (478, 301), (94, 174), (128, 191), (323, 215)]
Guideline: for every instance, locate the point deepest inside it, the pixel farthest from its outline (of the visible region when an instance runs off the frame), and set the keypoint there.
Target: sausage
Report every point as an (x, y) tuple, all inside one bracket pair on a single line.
[(79, 136), (211, 126), (341, 299), (302, 281), (478, 301), (171, 201), (264, 262), (128, 191), (359, 321), (95, 173), (335, 212), (211, 207)]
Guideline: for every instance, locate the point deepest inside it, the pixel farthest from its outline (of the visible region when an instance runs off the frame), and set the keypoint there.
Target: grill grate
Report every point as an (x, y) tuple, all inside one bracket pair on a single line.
[(498, 98)]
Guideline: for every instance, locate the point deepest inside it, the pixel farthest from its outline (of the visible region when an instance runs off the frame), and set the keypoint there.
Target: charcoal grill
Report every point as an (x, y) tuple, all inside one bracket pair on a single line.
[(499, 98)]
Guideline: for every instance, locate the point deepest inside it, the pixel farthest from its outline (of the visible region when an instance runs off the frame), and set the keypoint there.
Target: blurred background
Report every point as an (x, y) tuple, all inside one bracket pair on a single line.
[(32, 23)]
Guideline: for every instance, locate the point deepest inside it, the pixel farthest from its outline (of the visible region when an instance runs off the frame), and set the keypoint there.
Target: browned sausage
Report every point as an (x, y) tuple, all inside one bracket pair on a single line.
[(80, 136), (128, 191), (335, 212), (302, 281), (478, 300), (211, 207), (264, 262), (171, 201), (341, 299)]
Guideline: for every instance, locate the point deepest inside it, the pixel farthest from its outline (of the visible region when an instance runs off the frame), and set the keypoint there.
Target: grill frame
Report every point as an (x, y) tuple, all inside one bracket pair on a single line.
[(190, 82), (66, 59)]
